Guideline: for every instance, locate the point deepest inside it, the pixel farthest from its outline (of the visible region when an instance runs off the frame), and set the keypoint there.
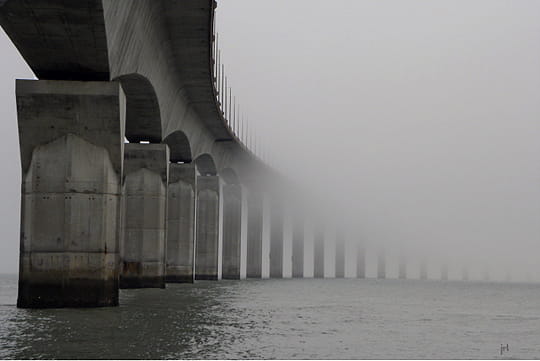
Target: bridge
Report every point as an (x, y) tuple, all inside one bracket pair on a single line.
[(137, 169)]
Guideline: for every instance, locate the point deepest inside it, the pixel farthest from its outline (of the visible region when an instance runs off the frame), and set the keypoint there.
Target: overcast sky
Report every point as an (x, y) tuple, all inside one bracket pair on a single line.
[(421, 118)]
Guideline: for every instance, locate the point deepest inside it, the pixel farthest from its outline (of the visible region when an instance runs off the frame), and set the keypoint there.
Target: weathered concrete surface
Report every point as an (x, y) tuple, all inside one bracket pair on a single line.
[(181, 223), (208, 228), (318, 254), (276, 242), (146, 173), (71, 144), (340, 256), (381, 265), (298, 248), (232, 231), (254, 235)]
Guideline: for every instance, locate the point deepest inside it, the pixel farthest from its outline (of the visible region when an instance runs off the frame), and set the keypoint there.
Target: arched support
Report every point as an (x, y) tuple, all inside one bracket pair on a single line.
[(360, 261), (208, 228), (146, 171), (181, 223), (381, 264), (402, 266), (340, 255), (233, 211), (254, 234), (276, 242), (298, 248), (71, 158), (318, 253)]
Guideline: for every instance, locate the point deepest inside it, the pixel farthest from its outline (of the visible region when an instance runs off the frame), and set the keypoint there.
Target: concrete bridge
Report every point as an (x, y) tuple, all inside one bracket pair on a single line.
[(186, 198)]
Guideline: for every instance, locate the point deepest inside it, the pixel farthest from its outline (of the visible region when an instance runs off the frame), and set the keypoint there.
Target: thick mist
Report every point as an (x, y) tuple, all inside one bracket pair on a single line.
[(414, 123)]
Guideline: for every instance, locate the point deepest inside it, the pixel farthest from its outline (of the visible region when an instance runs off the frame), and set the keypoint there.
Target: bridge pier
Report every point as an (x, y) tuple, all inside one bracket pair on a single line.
[(207, 228), (181, 223), (145, 215), (340, 256), (360, 261), (298, 248), (276, 242), (318, 253), (71, 157), (423, 270), (254, 234), (232, 231), (381, 265), (444, 272), (402, 267)]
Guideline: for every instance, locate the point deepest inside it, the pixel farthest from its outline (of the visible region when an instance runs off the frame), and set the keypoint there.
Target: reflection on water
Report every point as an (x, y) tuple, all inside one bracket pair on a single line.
[(284, 319)]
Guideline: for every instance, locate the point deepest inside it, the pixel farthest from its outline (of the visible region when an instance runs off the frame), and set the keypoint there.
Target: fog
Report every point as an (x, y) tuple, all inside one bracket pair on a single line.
[(415, 124)]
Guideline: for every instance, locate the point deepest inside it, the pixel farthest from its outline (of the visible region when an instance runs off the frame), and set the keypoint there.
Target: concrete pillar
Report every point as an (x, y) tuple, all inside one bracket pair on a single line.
[(381, 265), (207, 228), (318, 254), (254, 234), (340, 256), (402, 267), (71, 139), (465, 274), (423, 270), (298, 248), (181, 223), (444, 272), (276, 242), (232, 231), (146, 169), (360, 261)]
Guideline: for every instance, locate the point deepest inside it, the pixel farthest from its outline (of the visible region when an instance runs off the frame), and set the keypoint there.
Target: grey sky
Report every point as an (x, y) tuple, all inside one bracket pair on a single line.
[(421, 118)]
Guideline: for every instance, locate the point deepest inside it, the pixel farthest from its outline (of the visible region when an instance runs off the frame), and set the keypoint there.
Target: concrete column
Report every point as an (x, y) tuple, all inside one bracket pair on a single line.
[(444, 272), (360, 261), (298, 248), (71, 141), (207, 228), (423, 270), (465, 274), (276, 242), (146, 169), (181, 223), (232, 231), (318, 254), (381, 265), (340, 256), (402, 267), (254, 234), (266, 234)]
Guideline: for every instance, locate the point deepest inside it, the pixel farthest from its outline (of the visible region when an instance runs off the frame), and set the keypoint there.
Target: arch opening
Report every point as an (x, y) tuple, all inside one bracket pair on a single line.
[(205, 165), (143, 116), (180, 149)]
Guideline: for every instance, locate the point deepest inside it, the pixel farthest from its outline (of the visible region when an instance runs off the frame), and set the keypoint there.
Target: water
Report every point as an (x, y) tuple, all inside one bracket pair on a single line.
[(284, 319)]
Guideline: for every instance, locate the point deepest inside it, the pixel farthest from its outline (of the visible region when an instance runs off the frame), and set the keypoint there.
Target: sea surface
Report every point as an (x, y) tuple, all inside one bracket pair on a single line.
[(284, 319)]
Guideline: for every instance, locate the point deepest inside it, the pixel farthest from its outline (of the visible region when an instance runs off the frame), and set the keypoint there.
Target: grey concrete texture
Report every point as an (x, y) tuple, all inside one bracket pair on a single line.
[(360, 261), (232, 231), (276, 241), (208, 228), (145, 215), (318, 254), (340, 256), (298, 248), (381, 265), (181, 223), (254, 234), (70, 194)]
